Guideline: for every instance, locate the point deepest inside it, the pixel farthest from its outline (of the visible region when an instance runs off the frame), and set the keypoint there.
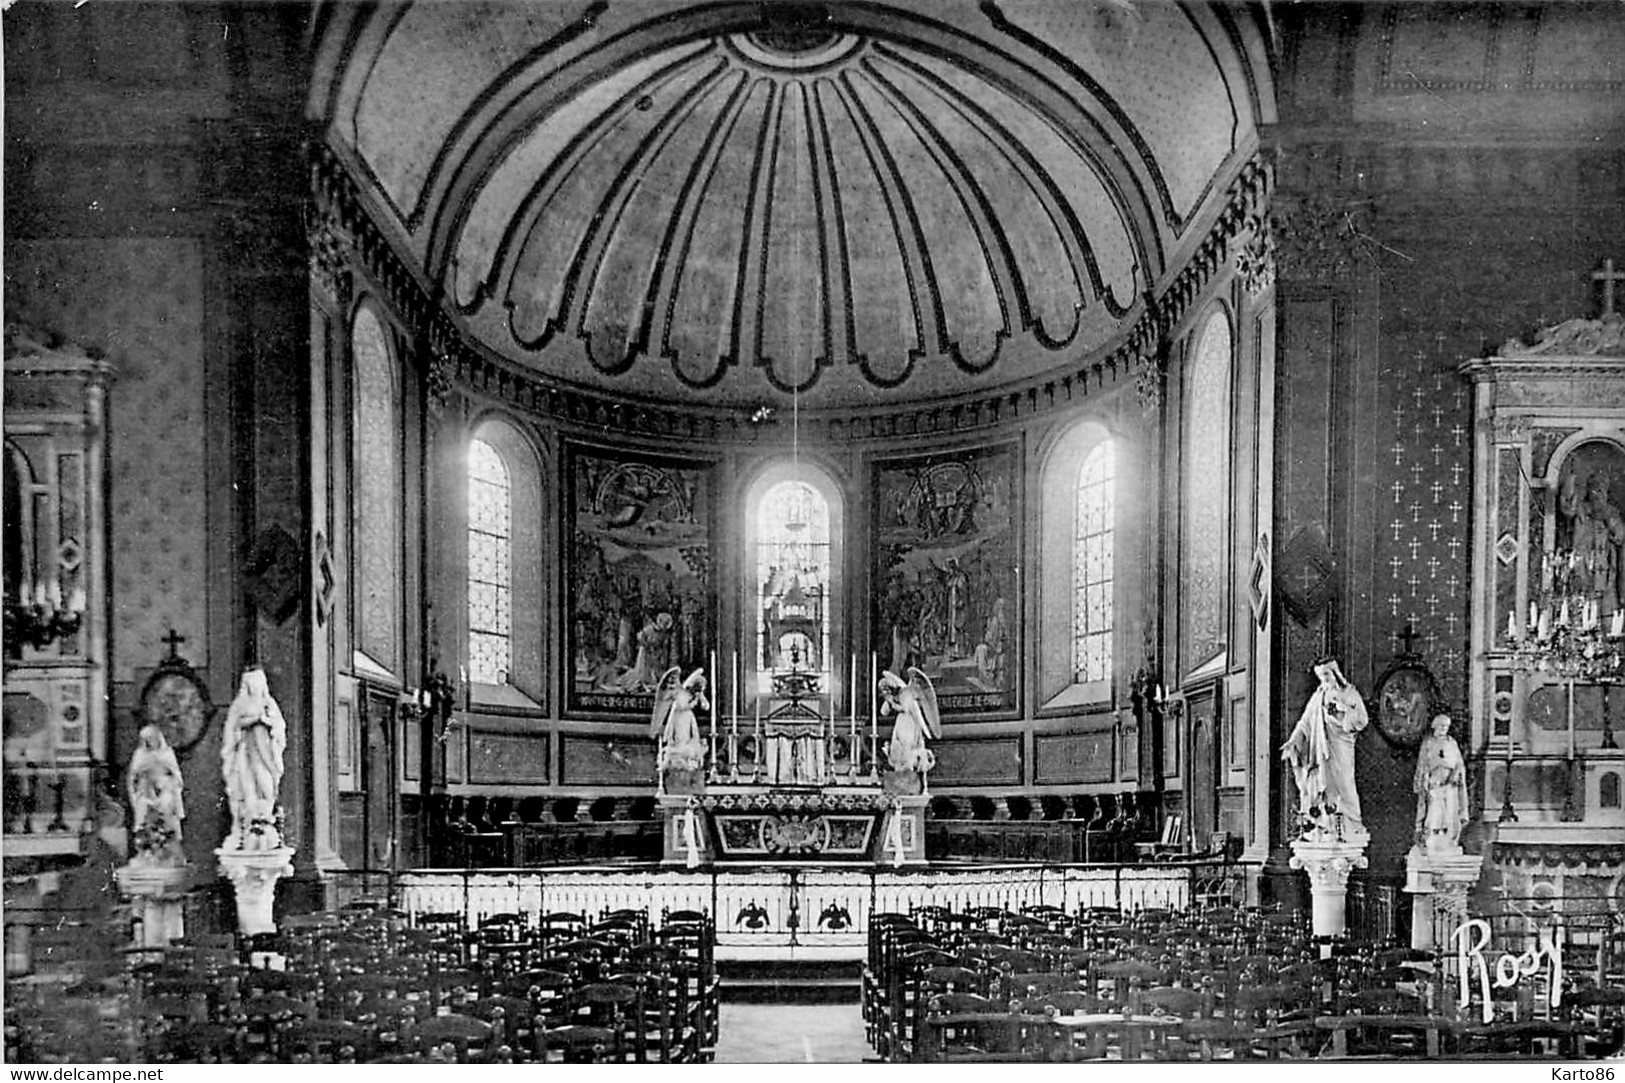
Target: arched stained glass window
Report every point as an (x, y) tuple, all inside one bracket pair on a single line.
[(377, 507), (490, 565), (792, 581), (1092, 556)]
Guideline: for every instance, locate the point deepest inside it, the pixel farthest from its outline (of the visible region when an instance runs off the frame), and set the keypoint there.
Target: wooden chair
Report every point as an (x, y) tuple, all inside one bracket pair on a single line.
[(469, 1038)]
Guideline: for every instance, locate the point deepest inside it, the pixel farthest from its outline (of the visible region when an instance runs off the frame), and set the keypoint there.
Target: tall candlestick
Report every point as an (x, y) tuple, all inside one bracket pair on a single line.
[(734, 700), (1512, 627), (716, 697)]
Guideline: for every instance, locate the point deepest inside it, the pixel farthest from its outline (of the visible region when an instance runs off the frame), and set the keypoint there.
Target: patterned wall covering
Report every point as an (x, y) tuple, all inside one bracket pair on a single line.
[(946, 545), (638, 576), (141, 300)]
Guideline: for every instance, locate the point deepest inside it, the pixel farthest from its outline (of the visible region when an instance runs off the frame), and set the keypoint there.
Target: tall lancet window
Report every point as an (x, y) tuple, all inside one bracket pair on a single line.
[(1092, 552), (792, 581), (490, 565)]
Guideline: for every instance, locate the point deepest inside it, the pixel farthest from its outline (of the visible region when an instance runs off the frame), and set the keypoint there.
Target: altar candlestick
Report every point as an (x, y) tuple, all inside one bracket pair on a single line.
[(1512, 628), (852, 730), (716, 697), (1534, 616), (734, 700)]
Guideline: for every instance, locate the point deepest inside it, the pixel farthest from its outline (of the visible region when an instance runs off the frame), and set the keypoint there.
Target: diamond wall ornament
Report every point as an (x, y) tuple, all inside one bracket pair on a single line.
[(1304, 574), (273, 573), (326, 578), (70, 554), (1506, 548), (1258, 582)]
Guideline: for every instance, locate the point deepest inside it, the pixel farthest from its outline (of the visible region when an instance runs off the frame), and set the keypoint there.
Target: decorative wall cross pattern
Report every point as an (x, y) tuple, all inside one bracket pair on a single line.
[(1423, 550)]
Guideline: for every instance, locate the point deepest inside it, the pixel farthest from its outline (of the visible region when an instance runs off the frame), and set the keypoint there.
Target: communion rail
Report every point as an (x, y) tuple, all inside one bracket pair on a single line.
[(790, 907)]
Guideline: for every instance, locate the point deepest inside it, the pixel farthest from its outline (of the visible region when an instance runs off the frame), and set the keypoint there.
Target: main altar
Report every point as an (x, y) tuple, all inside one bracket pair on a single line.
[(796, 785)]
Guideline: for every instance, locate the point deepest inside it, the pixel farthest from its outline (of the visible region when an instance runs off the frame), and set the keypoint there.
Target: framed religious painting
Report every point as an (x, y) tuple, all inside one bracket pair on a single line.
[(637, 576), (946, 547), (177, 701), (1404, 700)]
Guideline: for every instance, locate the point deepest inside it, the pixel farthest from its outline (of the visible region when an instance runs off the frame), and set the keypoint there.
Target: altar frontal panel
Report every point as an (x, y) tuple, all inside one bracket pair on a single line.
[(637, 576), (946, 546)]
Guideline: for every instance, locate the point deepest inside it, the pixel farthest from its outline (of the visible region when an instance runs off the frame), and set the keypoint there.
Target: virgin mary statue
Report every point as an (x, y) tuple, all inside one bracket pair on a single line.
[(1321, 750)]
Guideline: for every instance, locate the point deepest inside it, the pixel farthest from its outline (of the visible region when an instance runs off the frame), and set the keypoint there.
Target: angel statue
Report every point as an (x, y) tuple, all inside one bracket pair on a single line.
[(155, 797), (673, 723), (251, 747), (915, 705)]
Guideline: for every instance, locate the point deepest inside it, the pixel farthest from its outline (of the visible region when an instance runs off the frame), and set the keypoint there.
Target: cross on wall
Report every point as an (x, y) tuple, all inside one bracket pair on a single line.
[(1416, 545), (1450, 622), (1399, 451), (1397, 488), (1455, 511), (1438, 454), (1458, 431), (1416, 473), (1396, 524), (1396, 564), (1434, 526), (1608, 277), (1456, 471), (1416, 513), (1454, 545), (1393, 605), (1433, 567)]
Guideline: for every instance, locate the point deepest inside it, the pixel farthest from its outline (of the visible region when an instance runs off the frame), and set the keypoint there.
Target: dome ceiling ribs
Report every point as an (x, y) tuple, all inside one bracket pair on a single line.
[(696, 203), (667, 284), (561, 168), (907, 256), (516, 74), (565, 308), (1002, 276), (1043, 202), (911, 238), (1069, 229), (659, 291), (1142, 148), (792, 320), (611, 299)]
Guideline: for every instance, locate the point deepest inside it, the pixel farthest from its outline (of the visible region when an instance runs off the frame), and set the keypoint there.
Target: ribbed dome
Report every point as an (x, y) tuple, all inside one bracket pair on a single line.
[(853, 204), (717, 204)]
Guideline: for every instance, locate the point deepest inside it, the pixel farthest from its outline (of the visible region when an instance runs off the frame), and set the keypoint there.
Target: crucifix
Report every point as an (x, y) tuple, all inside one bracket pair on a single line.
[(1608, 276), (1407, 639), (174, 639)]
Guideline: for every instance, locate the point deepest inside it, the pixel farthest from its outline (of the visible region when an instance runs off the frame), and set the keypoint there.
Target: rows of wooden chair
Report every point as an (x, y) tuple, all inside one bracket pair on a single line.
[(370, 984), (1208, 984)]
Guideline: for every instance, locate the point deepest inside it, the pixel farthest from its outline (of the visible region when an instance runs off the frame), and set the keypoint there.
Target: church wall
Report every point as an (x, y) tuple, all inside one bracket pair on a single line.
[(142, 221), (1480, 204)]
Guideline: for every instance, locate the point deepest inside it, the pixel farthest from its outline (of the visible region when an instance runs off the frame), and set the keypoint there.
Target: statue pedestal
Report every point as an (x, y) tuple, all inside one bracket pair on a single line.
[(1328, 859), (1439, 884), (156, 894), (253, 874)]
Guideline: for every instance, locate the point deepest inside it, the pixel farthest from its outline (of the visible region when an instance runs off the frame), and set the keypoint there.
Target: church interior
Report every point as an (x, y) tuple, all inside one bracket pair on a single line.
[(1094, 533)]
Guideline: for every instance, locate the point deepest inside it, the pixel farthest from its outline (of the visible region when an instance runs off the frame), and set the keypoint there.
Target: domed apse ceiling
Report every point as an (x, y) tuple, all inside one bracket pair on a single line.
[(850, 203)]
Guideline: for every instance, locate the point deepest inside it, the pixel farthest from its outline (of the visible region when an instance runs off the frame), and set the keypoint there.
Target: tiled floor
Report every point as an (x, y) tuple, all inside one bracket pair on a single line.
[(791, 1034)]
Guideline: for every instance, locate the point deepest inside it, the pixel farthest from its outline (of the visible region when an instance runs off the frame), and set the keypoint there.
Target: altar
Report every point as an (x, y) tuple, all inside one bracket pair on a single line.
[(761, 824), (795, 786)]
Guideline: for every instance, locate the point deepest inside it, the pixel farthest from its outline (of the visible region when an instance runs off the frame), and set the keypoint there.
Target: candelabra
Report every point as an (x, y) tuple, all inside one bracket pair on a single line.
[(43, 620), (1567, 637)]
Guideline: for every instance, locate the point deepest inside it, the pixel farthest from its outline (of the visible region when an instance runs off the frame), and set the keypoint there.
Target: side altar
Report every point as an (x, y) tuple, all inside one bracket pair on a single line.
[(798, 785)]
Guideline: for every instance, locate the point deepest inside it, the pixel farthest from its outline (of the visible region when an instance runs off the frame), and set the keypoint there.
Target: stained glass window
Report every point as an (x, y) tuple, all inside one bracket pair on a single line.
[(377, 489), (490, 565), (792, 581), (1092, 567)]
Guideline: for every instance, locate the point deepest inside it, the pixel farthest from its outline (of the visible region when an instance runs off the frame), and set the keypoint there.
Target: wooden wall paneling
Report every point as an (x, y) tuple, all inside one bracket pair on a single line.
[(994, 761), (1074, 757)]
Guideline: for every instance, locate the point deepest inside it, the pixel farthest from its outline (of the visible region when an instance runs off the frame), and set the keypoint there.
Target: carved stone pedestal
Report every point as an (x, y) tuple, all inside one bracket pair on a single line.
[(253, 874), (1328, 860), (157, 895), (1439, 884)]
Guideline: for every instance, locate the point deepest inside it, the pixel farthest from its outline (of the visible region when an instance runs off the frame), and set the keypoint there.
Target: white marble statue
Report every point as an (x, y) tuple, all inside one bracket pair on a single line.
[(251, 748), (915, 705), (1441, 791), (1321, 752), (673, 724), (155, 789)]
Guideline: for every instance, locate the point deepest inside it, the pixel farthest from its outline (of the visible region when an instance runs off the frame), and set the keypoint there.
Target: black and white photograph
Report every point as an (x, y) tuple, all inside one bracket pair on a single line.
[(899, 532)]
